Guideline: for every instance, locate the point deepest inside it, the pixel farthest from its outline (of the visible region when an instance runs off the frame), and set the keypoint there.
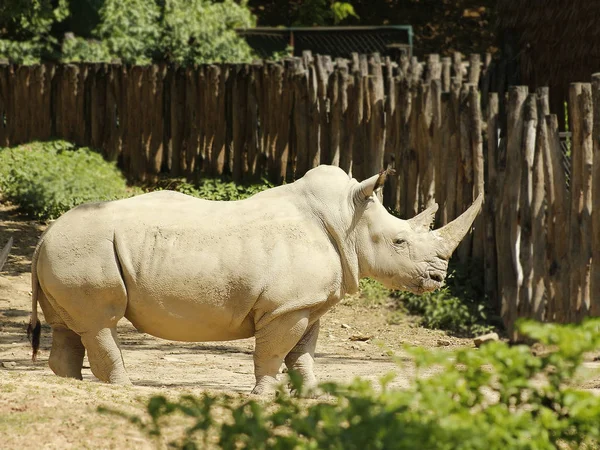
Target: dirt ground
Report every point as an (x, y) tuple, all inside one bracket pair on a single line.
[(39, 409)]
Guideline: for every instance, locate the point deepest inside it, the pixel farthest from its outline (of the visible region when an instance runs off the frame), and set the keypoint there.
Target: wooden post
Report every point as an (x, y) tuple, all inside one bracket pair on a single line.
[(446, 68), (323, 75), (439, 150), (507, 221), (539, 228), (403, 122), (391, 136), (577, 200), (587, 164), (357, 104), (595, 270), (558, 225), (301, 100), (314, 121), (453, 153), (490, 266), (376, 118), (457, 68), (525, 304), (424, 147), (464, 181), (411, 162), (345, 88), (5, 103), (474, 68), (475, 130)]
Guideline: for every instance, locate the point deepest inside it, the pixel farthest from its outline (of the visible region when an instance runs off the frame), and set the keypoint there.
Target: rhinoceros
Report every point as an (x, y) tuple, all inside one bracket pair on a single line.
[(193, 270)]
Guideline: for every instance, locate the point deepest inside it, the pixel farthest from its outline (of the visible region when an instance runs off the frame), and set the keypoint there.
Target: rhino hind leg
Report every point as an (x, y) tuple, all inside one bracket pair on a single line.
[(273, 342), (301, 358), (66, 355), (104, 354)]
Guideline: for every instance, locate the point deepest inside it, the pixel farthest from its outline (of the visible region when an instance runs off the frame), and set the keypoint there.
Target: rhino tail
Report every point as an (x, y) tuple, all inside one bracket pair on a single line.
[(34, 328)]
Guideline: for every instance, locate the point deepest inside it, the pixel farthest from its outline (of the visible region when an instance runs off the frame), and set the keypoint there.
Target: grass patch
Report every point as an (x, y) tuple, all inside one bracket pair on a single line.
[(46, 179)]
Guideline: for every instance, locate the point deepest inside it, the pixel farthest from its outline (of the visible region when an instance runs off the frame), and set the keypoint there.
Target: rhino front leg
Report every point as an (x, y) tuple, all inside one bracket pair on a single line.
[(274, 341), (104, 354), (301, 358)]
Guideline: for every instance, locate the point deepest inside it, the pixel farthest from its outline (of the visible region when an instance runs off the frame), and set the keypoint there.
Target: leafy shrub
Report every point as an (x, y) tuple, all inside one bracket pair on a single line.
[(373, 292), (460, 307), (81, 50), (214, 188), (25, 28), (47, 179), (201, 31), (495, 397), (133, 31)]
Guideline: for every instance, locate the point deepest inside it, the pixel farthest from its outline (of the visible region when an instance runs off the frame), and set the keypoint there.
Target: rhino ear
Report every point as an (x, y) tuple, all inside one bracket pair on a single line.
[(424, 220), (367, 187)]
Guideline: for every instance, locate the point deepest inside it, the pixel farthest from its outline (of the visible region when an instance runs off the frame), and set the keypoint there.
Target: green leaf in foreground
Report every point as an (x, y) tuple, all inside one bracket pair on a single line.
[(498, 396)]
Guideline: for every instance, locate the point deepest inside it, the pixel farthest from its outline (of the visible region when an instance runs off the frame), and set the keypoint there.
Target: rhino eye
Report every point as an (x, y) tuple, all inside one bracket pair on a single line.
[(399, 241)]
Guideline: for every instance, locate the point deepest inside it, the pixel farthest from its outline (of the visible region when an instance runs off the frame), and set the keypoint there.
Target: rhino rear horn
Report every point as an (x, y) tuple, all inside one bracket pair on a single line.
[(370, 185), (456, 230)]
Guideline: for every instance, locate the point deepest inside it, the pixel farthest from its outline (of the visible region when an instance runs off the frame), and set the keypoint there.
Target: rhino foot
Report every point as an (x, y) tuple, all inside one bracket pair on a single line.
[(265, 386), (104, 354)]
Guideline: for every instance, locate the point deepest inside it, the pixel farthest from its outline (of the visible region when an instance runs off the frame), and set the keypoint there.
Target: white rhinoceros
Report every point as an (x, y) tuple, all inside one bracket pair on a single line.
[(193, 270)]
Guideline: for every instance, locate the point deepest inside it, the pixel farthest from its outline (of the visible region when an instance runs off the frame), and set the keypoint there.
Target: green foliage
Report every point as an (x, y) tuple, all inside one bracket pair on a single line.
[(460, 307), (133, 31), (322, 12), (80, 50), (373, 292), (200, 31), (495, 397), (25, 28), (129, 29), (214, 188), (341, 11), (47, 179)]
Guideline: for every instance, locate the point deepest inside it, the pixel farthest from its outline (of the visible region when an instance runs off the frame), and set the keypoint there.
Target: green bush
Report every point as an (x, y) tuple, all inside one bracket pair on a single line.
[(495, 397), (214, 188), (460, 307), (47, 179), (132, 31)]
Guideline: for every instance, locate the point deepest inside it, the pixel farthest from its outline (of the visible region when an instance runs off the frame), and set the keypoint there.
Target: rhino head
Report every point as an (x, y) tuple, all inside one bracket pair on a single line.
[(404, 254)]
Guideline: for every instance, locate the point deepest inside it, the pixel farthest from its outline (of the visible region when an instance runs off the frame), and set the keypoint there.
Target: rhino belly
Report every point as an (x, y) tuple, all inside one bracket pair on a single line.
[(188, 320)]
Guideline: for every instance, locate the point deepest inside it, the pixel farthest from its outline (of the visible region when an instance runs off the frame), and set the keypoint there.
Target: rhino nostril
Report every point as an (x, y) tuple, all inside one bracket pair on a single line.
[(436, 277)]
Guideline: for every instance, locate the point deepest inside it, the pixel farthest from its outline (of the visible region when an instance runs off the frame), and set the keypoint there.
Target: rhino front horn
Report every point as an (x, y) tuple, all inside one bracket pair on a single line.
[(456, 230)]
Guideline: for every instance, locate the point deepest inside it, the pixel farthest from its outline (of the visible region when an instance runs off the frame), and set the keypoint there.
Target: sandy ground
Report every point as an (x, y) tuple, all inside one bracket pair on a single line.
[(38, 409)]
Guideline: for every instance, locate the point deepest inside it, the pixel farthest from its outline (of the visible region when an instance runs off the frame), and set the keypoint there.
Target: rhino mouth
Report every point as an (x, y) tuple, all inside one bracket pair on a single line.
[(430, 282)]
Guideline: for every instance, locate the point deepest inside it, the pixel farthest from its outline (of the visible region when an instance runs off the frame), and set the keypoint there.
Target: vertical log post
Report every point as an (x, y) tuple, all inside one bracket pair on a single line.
[(595, 270), (490, 266), (539, 228), (507, 220), (575, 93), (525, 303), (587, 164), (558, 225), (374, 150)]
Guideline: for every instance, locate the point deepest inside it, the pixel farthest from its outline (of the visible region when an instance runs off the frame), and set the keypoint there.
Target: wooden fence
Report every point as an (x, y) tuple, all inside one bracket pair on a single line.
[(435, 122)]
